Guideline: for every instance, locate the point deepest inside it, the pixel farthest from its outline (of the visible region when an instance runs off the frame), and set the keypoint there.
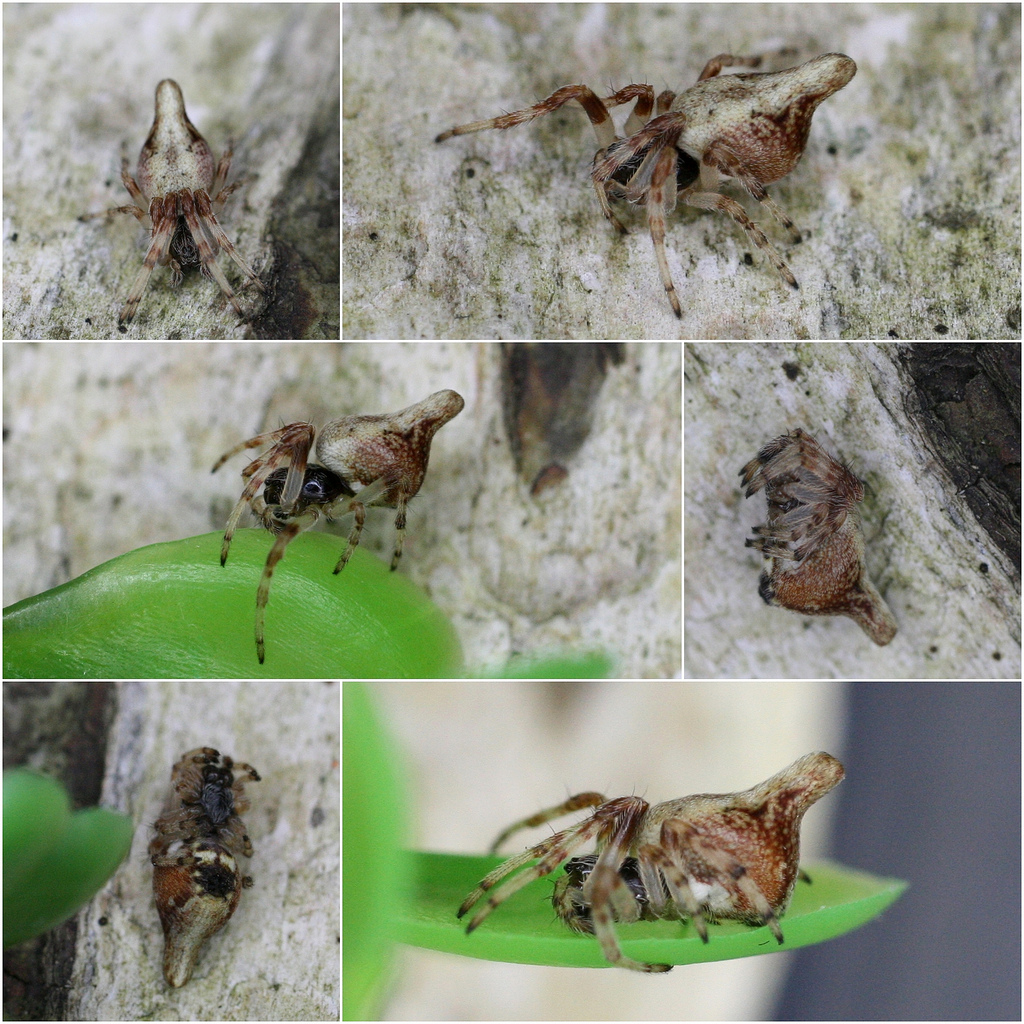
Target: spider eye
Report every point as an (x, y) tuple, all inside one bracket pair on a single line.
[(273, 486), (319, 487), (315, 489)]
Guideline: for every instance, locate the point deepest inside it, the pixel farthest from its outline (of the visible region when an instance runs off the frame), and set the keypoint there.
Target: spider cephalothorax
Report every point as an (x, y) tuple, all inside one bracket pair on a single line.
[(386, 455), (571, 903), (751, 127), (704, 858)]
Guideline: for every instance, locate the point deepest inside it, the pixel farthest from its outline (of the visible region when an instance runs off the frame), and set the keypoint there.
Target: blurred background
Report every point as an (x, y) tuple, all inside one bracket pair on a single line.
[(931, 795)]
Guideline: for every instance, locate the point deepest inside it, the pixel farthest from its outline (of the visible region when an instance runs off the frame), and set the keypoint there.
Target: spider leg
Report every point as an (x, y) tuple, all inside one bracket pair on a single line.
[(134, 210), (164, 218), (586, 97), (702, 194), (357, 506), (665, 101), (574, 803), (219, 198), (222, 173), (133, 189), (291, 442), (652, 879), (358, 509), (660, 199), (291, 436), (285, 536), (641, 113), (552, 852), (757, 190), (729, 163), (601, 886), (247, 769), (400, 529), (140, 207), (207, 256), (256, 480), (677, 882), (609, 161), (727, 60), (217, 235)]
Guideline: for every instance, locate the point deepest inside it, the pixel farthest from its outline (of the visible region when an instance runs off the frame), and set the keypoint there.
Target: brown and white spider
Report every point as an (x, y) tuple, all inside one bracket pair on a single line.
[(751, 127), (812, 543), (208, 795), (386, 455), (172, 197), (706, 857)]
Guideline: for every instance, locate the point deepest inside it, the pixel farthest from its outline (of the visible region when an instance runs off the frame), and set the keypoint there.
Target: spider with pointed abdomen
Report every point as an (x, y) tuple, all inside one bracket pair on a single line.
[(174, 197), (386, 455), (197, 877), (704, 858), (812, 543), (751, 127)]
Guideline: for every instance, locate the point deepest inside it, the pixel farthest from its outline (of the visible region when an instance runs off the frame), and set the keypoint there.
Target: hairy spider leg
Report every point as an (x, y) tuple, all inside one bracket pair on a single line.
[(293, 442)]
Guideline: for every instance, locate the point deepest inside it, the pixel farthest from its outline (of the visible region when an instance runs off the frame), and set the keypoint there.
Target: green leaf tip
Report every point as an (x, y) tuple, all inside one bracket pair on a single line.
[(525, 930)]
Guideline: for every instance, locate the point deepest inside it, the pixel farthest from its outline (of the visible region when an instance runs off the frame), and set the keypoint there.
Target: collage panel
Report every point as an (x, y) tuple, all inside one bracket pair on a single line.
[(852, 510), (171, 850), (346, 511), (815, 834)]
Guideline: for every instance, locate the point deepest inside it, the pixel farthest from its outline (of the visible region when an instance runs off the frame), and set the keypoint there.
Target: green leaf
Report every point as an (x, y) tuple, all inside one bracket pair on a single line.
[(595, 665), (525, 930), (376, 868), (37, 810), (49, 881), (172, 611)]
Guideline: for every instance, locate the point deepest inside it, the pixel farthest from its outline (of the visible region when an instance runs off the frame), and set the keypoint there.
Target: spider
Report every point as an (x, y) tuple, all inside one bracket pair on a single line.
[(386, 455), (812, 542), (705, 857), (751, 127), (197, 881), (172, 197)]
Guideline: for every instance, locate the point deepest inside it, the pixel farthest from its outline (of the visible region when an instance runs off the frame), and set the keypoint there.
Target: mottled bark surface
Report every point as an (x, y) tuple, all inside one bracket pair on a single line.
[(968, 398)]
